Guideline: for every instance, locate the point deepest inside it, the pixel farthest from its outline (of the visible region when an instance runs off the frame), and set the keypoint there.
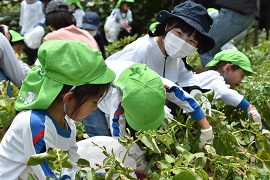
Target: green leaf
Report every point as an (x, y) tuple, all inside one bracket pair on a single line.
[(162, 165), (188, 156), (185, 175), (83, 163), (199, 162), (202, 174), (37, 159), (169, 158), (150, 142)]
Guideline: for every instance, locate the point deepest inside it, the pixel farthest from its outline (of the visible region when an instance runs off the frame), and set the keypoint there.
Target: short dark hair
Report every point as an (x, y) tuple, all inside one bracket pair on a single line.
[(176, 23), (84, 92), (60, 19)]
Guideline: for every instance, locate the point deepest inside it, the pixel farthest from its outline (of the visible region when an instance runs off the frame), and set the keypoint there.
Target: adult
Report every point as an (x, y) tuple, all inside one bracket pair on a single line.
[(234, 17), (90, 23), (10, 67)]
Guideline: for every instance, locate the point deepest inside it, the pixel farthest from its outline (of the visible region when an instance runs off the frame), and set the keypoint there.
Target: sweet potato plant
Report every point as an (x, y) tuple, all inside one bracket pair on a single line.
[(239, 151)]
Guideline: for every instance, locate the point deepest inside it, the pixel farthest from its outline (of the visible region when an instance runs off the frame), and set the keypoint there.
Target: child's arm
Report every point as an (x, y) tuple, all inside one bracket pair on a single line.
[(184, 100)]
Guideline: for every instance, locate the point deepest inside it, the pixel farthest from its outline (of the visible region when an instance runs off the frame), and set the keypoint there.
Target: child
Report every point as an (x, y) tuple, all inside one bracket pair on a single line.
[(17, 44), (78, 11), (226, 71), (137, 98), (55, 94), (61, 21), (123, 15), (136, 101), (32, 18)]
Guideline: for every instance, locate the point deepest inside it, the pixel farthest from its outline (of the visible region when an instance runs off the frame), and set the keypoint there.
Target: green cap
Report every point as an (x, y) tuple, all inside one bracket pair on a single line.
[(143, 97), (62, 62), (77, 2), (119, 2), (233, 56), (15, 37), (152, 26)]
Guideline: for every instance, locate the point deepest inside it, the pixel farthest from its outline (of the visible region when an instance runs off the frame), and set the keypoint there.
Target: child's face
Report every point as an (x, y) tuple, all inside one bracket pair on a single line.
[(18, 48), (84, 110), (234, 77), (126, 6), (189, 39)]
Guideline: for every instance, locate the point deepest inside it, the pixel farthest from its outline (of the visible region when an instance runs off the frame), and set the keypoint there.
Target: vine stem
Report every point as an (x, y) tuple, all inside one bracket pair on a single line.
[(123, 160)]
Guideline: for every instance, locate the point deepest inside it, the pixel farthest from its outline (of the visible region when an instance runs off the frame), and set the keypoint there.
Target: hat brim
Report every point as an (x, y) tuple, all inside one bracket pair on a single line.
[(208, 41), (89, 26), (107, 77), (37, 91), (214, 63)]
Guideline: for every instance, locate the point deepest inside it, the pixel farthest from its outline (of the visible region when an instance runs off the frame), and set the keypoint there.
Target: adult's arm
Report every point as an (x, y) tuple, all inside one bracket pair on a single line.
[(9, 63)]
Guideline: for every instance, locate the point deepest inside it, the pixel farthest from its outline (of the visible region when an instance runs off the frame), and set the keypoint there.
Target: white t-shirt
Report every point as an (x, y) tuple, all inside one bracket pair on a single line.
[(33, 132), (31, 15)]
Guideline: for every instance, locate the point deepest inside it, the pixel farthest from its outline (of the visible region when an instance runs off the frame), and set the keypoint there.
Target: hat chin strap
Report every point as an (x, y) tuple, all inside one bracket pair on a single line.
[(65, 112)]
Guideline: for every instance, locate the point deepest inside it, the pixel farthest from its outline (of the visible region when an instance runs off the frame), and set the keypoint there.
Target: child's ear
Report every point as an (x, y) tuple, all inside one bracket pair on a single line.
[(67, 97), (227, 67)]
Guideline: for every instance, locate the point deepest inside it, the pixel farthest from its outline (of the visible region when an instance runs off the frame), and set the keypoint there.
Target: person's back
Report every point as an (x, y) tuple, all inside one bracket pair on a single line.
[(62, 23), (32, 23), (31, 15)]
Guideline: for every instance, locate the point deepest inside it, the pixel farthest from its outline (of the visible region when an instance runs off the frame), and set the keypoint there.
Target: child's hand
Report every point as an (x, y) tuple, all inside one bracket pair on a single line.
[(255, 115), (206, 137)]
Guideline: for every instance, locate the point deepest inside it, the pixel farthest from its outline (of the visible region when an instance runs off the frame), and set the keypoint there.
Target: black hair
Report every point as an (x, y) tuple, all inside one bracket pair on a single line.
[(217, 67), (60, 19), (17, 42), (84, 92), (177, 23)]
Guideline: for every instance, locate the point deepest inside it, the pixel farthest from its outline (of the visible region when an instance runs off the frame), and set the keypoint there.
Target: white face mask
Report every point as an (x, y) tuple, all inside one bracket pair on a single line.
[(93, 33), (177, 47)]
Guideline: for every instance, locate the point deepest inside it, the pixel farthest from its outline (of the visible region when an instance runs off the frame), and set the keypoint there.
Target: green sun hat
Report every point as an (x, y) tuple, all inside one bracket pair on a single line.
[(152, 26), (61, 62), (233, 56), (77, 2), (143, 97), (119, 2), (15, 37)]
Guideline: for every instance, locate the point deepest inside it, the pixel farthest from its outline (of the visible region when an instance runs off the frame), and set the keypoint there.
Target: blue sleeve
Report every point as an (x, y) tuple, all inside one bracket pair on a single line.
[(243, 104), (186, 102)]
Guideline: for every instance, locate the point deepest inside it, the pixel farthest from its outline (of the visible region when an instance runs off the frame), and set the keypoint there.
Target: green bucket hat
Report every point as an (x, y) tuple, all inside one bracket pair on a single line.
[(143, 97), (119, 2), (233, 56), (15, 37), (77, 2), (62, 62)]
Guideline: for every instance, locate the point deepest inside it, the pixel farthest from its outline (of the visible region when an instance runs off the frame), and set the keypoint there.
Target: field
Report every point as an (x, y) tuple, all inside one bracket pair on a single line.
[(240, 150)]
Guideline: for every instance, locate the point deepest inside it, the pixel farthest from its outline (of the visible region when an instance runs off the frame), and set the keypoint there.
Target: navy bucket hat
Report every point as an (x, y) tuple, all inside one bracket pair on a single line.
[(196, 16)]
